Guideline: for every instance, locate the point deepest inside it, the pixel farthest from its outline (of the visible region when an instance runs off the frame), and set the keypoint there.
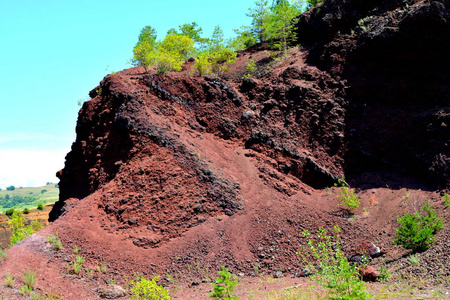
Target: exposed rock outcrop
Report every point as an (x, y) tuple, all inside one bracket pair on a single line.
[(174, 170), (393, 58)]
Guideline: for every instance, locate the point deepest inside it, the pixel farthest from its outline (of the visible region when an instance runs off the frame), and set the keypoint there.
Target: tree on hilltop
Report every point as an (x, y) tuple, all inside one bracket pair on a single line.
[(259, 16), (279, 26), (193, 31), (165, 55), (143, 52), (216, 57)]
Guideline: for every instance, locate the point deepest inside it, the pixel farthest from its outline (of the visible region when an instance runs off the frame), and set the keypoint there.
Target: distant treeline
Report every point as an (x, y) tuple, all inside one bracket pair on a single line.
[(11, 201)]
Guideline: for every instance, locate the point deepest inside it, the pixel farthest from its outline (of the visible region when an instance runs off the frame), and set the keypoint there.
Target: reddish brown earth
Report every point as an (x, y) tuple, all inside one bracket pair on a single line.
[(173, 174)]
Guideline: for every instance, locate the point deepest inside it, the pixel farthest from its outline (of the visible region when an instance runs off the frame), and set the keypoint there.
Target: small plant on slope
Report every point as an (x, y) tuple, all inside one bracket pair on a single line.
[(3, 254), (25, 290), (148, 289), (384, 275), (223, 288), (54, 241), (29, 278), (251, 67), (347, 195), (331, 268), (417, 230), (446, 199), (9, 280), (78, 264)]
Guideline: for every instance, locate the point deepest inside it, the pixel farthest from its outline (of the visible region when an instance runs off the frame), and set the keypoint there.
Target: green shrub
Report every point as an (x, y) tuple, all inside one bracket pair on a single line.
[(331, 268), (148, 289), (202, 65), (9, 212), (40, 206), (223, 288), (417, 230), (26, 211), (19, 230), (347, 195)]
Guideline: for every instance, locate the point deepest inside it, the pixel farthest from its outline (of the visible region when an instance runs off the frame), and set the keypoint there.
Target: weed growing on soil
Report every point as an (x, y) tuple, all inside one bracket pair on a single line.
[(446, 199), (148, 289), (103, 268), (417, 231), (223, 288), (75, 249), (413, 260), (29, 278), (3, 254), (347, 195), (331, 268), (25, 290), (8, 280), (53, 297), (170, 278), (78, 264), (384, 275), (54, 241), (251, 67), (295, 293), (89, 272), (257, 270)]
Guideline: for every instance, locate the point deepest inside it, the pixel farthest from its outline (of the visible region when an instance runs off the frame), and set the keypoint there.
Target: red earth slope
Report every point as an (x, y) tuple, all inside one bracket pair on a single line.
[(178, 174)]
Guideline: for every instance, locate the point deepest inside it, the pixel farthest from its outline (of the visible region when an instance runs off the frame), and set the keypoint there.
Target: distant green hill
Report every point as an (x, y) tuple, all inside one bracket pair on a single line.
[(28, 197)]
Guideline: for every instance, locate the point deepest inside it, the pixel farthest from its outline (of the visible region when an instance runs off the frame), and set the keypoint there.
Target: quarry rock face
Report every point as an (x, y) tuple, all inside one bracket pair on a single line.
[(171, 171), (378, 104), (135, 117), (393, 57)]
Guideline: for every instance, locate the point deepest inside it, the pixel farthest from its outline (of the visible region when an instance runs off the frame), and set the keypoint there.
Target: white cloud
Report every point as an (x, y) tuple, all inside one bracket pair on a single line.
[(29, 168)]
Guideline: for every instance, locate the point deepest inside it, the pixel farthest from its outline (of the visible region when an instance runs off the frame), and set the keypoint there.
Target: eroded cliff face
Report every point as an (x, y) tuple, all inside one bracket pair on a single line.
[(393, 56), (295, 118), (377, 111), (230, 171)]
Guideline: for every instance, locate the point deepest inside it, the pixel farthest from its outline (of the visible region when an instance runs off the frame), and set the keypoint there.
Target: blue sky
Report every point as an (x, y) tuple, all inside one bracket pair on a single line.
[(53, 52)]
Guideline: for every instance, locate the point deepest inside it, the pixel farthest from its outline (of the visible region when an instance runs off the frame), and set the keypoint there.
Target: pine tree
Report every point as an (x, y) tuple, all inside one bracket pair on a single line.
[(259, 16), (279, 26)]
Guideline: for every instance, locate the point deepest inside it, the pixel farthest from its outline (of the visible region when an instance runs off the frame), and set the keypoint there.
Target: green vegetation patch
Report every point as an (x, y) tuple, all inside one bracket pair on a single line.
[(28, 197)]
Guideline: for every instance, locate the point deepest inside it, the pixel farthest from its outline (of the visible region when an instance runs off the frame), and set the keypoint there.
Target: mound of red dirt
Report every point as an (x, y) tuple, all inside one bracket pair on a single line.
[(178, 174)]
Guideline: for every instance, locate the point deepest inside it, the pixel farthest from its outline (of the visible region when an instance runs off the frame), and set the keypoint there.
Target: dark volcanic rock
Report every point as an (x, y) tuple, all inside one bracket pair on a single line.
[(393, 56)]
